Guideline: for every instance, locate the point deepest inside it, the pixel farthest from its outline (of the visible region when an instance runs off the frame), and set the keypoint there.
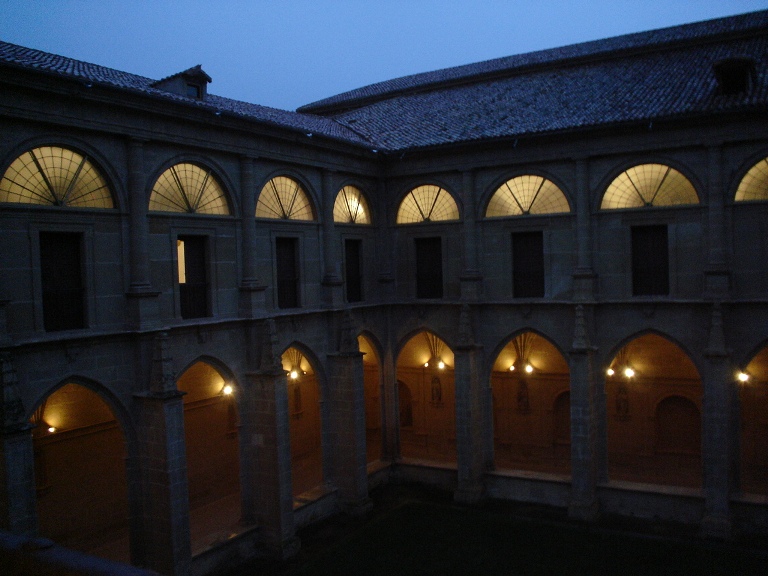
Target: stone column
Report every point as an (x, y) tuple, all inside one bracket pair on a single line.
[(165, 546), (141, 298), (471, 279), (716, 274), (17, 461), (332, 281), (347, 403), (390, 426), (584, 423), (269, 443), (385, 243), (583, 275), (471, 420), (251, 289), (718, 453)]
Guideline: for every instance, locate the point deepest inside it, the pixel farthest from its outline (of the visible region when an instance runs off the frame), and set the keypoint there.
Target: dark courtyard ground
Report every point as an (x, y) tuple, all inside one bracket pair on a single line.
[(417, 531)]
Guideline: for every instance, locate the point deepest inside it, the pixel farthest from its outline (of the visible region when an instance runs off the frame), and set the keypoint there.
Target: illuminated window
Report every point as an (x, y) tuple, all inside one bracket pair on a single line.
[(188, 188), (754, 185), (55, 176), (285, 199), (427, 203), (528, 194), (350, 207), (649, 185)]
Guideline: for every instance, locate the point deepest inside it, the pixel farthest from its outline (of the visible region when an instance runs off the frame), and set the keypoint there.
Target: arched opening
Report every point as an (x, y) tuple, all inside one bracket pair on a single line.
[(425, 374), (753, 398), (653, 394), (531, 406), (305, 422), (80, 473), (213, 462), (371, 379)]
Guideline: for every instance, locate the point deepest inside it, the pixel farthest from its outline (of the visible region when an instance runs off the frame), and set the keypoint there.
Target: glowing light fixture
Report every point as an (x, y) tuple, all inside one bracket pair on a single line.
[(426, 364), (51, 429), (441, 365), (610, 372), (512, 368), (628, 372), (743, 377), (528, 368), (227, 390), (294, 374)]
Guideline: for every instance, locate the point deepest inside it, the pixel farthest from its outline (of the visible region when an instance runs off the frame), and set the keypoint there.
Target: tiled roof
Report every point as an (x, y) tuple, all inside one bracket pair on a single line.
[(19, 56)]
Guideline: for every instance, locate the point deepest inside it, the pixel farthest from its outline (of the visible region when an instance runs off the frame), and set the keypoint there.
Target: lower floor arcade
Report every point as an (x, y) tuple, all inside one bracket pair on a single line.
[(212, 452)]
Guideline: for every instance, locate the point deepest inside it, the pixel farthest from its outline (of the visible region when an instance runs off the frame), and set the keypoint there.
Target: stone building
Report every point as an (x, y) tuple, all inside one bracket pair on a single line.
[(539, 278)]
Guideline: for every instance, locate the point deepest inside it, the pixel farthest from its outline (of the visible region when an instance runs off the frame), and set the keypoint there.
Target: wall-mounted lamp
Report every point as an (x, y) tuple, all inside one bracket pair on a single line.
[(743, 377), (441, 365), (512, 368), (528, 368), (51, 429), (426, 364), (227, 390), (628, 372), (293, 374), (610, 372)]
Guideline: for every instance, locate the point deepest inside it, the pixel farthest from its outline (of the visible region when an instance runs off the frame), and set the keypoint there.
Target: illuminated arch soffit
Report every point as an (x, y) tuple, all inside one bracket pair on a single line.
[(351, 207), (649, 185), (427, 203), (527, 194), (55, 176), (283, 198), (754, 185), (190, 188)]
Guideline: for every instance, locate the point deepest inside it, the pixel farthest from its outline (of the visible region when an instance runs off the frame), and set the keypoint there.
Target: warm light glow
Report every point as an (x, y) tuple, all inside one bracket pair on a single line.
[(51, 429), (512, 368), (227, 390), (294, 374), (743, 377), (628, 372), (610, 372), (441, 364), (426, 364), (528, 368)]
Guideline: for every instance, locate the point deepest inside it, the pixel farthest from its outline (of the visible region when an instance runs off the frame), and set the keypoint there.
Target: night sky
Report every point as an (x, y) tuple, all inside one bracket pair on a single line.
[(285, 53)]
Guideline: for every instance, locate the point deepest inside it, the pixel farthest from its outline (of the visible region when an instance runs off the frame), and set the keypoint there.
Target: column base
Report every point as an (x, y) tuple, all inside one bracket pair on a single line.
[(469, 495), (284, 549), (358, 508), (586, 511), (716, 527)]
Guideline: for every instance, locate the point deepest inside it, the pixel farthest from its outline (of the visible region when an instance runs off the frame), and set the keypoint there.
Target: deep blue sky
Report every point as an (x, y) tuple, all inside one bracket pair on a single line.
[(285, 53)]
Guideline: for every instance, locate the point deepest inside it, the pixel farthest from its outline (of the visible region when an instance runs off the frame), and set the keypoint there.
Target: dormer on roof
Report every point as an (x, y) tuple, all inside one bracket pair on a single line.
[(734, 75), (192, 83)]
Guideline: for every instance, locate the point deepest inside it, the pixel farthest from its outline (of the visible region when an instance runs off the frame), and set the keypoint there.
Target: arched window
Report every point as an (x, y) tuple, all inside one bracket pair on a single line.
[(754, 185), (427, 203), (527, 194), (284, 198), (649, 185), (351, 207), (55, 176), (187, 187)]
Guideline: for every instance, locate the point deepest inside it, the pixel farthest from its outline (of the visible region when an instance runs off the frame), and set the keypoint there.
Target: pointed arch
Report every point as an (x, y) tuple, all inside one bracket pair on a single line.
[(527, 194), (191, 188), (754, 185), (427, 203), (283, 198), (55, 176), (351, 207), (647, 185)]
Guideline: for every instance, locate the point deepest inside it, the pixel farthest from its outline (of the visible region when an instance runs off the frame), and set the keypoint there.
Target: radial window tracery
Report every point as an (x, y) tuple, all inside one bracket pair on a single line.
[(284, 198), (51, 175), (188, 188), (427, 203), (649, 185), (754, 185), (527, 194), (351, 207)]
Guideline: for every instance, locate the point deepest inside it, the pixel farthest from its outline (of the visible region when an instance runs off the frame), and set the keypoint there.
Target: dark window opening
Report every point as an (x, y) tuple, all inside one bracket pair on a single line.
[(193, 277), (650, 260), (429, 268), (528, 264), (61, 275), (353, 270), (734, 76), (286, 252), (193, 91)]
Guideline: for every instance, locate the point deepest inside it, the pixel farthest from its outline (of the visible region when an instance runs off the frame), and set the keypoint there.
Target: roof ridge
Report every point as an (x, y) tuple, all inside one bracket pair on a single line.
[(581, 51)]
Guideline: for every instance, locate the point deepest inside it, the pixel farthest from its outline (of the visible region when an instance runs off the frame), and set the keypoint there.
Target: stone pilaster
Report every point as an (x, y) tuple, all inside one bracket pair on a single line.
[(471, 279), (716, 274), (470, 415), (718, 451), (17, 461), (333, 285), (583, 275), (584, 422), (251, 289), (165, 545)]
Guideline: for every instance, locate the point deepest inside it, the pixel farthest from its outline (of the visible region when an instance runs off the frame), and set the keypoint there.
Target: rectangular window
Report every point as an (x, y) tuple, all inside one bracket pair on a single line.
[(353, 270), (61, 276), (528, 264), (429, 268), (193, 276), (650, 260), (287, 258)]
